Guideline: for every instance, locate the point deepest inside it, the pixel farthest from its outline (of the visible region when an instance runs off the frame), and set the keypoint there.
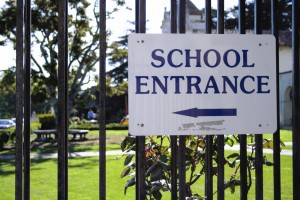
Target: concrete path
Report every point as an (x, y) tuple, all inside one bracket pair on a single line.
[(118, 152), (54, 155)]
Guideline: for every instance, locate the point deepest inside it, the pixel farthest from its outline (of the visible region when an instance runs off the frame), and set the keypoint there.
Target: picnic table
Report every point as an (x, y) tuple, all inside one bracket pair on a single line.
[(45, 135)]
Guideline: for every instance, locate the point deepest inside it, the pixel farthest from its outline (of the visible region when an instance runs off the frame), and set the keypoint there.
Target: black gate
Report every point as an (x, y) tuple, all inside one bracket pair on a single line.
[(178, 9)]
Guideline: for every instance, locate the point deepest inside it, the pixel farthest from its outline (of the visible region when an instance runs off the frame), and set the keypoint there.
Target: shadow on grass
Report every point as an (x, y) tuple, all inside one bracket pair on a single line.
[(83, 163), (8, 172)]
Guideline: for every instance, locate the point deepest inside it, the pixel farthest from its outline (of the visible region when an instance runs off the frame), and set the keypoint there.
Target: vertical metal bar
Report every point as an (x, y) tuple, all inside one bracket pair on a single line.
[(140, 151), (19, 100), (243, 167), (173, 16), (209, 138), (137, 180), (208, 22), (137, 13), (142, 16), (27, 101), (181, 147), (258, 138), (174, 153), (209, 168), (102, 95), (174, 148), (243, 138), (62, 125), (182, 15), (220, 13), (220, 138), (296, 99), (276, 136), (181, 167)]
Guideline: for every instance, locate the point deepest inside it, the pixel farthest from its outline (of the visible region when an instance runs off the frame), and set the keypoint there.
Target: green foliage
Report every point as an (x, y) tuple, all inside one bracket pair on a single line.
[(83, 45), (47, 121), (284, 15), (116, 126), (89, 126), (8, 93), (7, 135), (35, 126), (158, 166)]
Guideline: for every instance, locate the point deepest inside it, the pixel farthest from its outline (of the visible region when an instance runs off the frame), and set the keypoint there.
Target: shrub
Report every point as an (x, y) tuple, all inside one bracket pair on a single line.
[(111, 126), (116, 126), (7, 135), (35, 126), (47, 121), (158, 163)]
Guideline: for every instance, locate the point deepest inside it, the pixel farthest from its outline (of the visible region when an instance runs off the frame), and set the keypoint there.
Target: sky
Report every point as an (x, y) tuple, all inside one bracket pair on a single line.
[(119, 25)]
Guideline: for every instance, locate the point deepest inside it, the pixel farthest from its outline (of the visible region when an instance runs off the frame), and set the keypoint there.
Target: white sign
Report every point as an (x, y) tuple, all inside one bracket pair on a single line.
[(188, 84)]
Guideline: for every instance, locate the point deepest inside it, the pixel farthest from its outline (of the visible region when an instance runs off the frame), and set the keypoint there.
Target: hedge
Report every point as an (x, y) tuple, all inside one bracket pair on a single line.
[(7, 135), (47, 121), (111, 126)]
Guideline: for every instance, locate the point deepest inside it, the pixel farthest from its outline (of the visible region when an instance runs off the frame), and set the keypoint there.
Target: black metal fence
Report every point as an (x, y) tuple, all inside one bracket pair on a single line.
[(178, 9)]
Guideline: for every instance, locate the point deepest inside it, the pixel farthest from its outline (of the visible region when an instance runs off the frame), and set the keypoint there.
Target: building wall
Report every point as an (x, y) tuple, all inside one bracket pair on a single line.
[(285, 99), (285, 59), (285, 86)]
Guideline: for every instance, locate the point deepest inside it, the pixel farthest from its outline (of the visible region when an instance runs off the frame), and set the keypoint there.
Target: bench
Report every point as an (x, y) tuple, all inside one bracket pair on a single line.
[(80, 132), (45, 135)]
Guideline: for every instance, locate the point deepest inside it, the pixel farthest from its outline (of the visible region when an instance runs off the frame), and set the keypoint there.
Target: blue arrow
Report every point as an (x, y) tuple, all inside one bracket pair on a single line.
[(195, 112)]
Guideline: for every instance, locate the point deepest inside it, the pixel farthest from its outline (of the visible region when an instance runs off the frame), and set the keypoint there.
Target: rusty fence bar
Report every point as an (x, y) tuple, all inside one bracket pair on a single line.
[(102, 95), (62, 125), (19, 100), (296, 99)]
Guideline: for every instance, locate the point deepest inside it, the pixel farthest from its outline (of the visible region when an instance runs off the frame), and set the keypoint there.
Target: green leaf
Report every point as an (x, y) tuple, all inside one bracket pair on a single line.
[(157, 195), (268, 163), (123, 145), (155, 188), (232, 188), (234, 155), (125, 172), (128, 159), (156, 174), (151, 168), (229, 141), (127, 143), (129, 183), (231, 164)]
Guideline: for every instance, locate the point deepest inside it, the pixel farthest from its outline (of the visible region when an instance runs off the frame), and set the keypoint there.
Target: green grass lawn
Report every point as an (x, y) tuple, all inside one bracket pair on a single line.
[(84, 183), (114, 138), (83, 179), (84, 173), (113, 141)]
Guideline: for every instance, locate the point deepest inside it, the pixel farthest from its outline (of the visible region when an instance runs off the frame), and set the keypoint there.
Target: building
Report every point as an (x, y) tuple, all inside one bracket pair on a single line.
[(195, 23)]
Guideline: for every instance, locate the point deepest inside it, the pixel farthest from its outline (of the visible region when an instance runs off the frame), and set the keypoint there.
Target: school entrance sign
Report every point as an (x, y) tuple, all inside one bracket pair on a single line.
[(185, 84)]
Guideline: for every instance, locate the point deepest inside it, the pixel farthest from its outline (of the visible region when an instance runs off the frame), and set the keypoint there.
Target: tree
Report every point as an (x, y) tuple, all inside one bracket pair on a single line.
[(116, 95), (284, 11), (118, 58), (8, 95), (83, 41)]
